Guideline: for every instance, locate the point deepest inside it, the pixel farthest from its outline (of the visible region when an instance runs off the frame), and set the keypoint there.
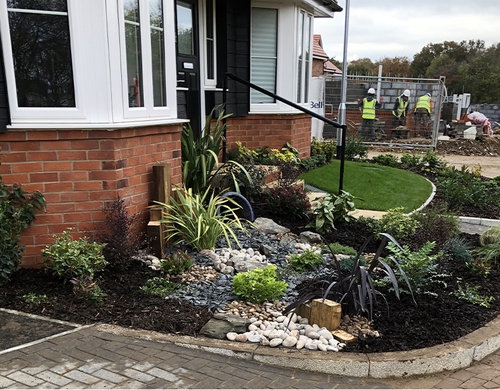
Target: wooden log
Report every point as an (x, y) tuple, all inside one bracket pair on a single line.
[(155, 213), (162, 183), (325, 314), (155, 238)]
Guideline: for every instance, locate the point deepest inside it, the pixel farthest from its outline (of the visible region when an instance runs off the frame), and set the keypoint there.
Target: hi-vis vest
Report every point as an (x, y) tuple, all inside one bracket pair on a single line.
[(369, 108), (424, 102), (401, 110)]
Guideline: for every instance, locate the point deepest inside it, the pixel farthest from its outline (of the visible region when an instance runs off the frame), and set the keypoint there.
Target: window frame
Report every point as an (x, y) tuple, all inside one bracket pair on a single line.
[(39, 114), (97, 48), (304, 67), (148, 110), (210, 82), (287, 54)]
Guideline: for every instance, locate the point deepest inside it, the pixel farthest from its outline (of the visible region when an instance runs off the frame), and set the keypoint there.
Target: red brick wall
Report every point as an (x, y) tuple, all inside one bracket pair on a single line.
[(271, 130), (78, 171), (318, 68)]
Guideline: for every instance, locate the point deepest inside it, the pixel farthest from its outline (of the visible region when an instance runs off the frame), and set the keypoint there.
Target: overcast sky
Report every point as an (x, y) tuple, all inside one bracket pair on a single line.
[(392, 28)]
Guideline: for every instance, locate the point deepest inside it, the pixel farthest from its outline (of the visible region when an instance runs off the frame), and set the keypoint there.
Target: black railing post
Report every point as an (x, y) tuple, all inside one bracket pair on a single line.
[(342, 159), (224, 101)]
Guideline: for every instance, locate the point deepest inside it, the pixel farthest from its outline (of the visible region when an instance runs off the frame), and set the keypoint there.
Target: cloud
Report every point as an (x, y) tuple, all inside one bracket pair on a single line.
[(386, 28)]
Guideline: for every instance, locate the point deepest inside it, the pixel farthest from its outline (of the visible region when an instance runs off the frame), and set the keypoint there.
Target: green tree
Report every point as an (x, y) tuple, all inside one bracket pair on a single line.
[(363, 66), (481, 76), (394, 67), (457, 52)]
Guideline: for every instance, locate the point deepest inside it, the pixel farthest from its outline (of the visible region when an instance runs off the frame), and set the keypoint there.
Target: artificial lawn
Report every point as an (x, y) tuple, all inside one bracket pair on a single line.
[(378, 187)]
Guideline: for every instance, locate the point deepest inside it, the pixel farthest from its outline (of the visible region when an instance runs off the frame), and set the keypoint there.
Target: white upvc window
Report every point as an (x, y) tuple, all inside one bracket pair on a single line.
[(146, 87), (275, 49), (304, 33), (264, 53), (209, 50), (92, 63), (39, 61)]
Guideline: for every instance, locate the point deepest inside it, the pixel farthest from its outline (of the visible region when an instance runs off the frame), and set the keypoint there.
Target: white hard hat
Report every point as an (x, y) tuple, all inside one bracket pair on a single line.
[(371, 91), (428, 94), (406, 93)]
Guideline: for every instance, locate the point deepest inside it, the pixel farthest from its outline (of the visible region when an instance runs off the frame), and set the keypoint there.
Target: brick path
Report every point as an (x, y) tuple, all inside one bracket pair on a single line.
[(91, 358)]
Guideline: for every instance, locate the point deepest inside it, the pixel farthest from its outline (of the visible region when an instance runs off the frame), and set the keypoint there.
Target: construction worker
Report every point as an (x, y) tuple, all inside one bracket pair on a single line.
[(422, 112), (368, 106), (400, 111)]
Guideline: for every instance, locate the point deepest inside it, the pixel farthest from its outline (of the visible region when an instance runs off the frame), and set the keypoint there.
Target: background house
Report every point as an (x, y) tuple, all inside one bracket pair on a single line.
[(91, 97)]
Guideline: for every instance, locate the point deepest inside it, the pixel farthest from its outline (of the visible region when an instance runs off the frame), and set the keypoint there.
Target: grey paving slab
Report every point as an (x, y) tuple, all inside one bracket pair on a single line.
[(105, 356)]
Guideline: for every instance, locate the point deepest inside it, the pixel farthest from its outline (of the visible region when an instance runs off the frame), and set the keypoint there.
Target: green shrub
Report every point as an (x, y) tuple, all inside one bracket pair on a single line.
[(248, 181), (411, 161), (490, 236), (305, 261), (471, 294), (354, 148), (176, 263), (200, 219), (433, 225), (463, 188), (289, 202), (159, 286), (398, 223), (326, 149), (488, 253), (479, 266), (330, 209), (339, 249), (36, 299), (17, 212), (70, 258), (389, 160), (313, 162), (419, 267), (348, 264), (458, 248), (85, 288), (433, 162), (259, 285)]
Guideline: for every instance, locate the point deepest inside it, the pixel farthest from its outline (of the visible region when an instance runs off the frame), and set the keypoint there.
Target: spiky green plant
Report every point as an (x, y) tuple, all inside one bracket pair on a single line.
[(200, 219)]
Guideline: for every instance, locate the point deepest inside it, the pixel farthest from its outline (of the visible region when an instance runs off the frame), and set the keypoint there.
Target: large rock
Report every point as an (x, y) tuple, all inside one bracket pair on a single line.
[(268, 226), (221, 324)]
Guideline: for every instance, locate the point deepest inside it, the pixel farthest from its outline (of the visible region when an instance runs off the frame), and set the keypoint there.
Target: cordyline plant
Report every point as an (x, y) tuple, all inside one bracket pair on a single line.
[(355, 291), (200, 154)]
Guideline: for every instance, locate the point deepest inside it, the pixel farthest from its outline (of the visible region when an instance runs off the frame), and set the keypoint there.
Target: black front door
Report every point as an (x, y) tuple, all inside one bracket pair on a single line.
[(188, 68)]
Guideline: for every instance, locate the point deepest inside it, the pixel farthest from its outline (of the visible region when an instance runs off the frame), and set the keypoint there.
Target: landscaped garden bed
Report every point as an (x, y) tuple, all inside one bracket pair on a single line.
[(454, 290)]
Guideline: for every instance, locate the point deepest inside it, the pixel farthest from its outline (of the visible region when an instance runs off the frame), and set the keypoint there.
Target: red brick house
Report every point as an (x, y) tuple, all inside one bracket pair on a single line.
[(94, 93)]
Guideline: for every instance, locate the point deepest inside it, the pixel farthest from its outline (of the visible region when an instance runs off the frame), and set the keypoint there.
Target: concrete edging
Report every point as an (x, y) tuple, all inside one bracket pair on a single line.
[(454, 355)]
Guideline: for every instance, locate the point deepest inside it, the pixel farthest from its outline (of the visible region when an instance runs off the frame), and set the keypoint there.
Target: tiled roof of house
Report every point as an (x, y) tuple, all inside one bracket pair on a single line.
[(319, 53)]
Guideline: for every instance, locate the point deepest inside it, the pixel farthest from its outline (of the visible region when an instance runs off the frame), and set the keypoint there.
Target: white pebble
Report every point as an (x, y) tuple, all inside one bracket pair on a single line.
[(326, 334), (322, 347), (311, 346), (242, 338), (264, 341), (275, 342), (289, 342), (231, 336), (300, 343)]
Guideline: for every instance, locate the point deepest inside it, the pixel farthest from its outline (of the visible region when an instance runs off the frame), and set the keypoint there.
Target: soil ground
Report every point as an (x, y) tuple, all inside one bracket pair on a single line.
[(403, 325)]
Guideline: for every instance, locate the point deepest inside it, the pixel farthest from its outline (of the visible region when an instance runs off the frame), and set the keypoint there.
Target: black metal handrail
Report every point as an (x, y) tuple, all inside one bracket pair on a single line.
[(294, 105)]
